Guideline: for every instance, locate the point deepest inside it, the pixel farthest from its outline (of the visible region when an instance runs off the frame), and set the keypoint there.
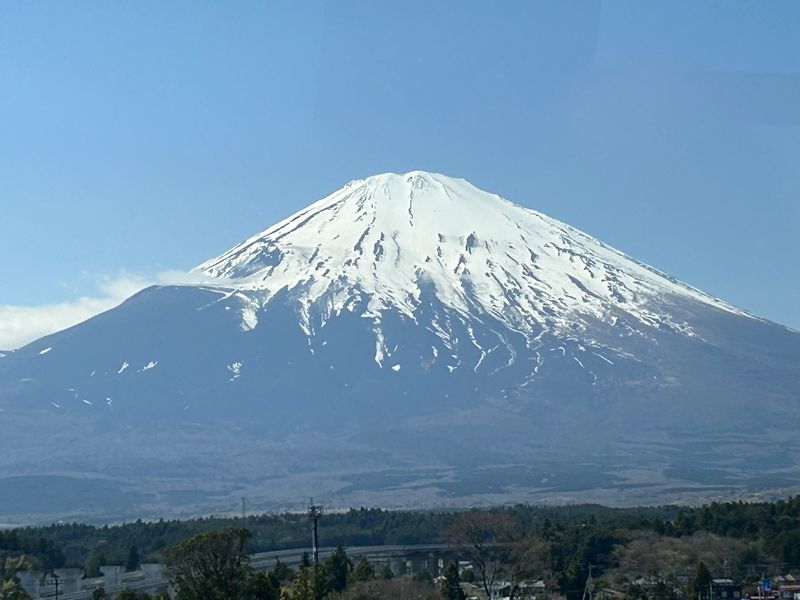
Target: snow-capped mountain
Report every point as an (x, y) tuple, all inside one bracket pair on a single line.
[(412, 330), (385, 239)]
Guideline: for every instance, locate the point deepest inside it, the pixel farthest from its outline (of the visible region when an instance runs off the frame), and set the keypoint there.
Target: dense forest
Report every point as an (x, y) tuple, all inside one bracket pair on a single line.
[(76, 544), (556, 544)]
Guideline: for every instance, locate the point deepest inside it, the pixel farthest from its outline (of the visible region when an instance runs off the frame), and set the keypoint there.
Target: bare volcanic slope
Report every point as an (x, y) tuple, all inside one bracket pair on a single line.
[(410, 331)]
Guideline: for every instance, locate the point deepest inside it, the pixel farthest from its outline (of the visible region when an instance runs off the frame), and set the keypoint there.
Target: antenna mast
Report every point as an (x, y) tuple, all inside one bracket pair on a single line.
[(314, 513)]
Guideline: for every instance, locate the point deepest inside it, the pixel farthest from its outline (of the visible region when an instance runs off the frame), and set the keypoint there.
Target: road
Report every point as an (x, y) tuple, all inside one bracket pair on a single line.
[(292, 557)]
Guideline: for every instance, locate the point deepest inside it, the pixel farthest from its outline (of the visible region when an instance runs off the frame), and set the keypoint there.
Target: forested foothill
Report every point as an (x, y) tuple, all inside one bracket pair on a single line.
[(652, 552)]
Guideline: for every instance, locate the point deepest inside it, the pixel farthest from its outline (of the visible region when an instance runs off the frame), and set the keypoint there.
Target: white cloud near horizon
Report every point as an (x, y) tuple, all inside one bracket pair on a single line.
[(20, 325)]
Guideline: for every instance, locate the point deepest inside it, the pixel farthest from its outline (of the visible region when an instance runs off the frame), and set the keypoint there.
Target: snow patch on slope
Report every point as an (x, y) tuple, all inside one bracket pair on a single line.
[(376, 244)]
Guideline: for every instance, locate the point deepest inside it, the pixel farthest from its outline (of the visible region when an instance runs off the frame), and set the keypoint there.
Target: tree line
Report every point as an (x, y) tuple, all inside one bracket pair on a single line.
[(561, 546), (86, 546), (216, 566)]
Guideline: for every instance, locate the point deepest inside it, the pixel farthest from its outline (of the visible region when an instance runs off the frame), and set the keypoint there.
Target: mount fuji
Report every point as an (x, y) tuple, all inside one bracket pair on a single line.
[(409, 340)]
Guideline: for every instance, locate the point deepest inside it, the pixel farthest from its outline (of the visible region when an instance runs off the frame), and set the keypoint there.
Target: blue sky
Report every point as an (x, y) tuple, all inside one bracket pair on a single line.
[(144, 137)]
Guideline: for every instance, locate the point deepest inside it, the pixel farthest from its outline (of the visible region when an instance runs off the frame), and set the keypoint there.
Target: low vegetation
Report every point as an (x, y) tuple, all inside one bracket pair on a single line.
[(677, 548)]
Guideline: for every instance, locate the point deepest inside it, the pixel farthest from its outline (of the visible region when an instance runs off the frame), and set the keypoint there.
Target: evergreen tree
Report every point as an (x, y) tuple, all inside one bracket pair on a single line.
[(321, 582), (423, 577), (338, 567), (282, 572), (302, 586), (99, 594), (264, 586), (701, 580), (96, 560), (451, 584), (663, 592), (310, 583), (132, 564), (363, 571), (385, 572)]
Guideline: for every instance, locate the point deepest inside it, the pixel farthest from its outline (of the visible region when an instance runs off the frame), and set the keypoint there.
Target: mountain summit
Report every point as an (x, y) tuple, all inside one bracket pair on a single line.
[(408, 331), (388, 237)]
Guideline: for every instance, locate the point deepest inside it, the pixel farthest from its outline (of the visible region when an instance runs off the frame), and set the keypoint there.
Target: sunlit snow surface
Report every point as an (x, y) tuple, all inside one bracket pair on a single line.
[(386, 237)]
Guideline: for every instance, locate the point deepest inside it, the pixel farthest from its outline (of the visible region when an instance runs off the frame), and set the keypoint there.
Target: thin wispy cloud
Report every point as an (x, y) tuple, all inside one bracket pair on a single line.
[(20, 325)]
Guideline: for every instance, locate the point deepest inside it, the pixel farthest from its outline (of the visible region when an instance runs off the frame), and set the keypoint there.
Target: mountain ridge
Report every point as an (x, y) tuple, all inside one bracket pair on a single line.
[(408, 331), (289, 255)]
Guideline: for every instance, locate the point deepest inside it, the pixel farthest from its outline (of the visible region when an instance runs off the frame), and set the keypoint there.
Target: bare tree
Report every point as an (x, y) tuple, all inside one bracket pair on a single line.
[(529, 559), (485, 537)]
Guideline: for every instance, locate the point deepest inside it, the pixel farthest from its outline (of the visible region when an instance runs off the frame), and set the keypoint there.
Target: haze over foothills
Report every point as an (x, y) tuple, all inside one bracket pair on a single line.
[(137, 140)]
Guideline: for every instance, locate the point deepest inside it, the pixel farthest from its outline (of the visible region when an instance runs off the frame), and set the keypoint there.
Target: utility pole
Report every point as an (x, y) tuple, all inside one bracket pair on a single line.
[(314, 513), (587, 591), (244, 507), (55, 580)]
